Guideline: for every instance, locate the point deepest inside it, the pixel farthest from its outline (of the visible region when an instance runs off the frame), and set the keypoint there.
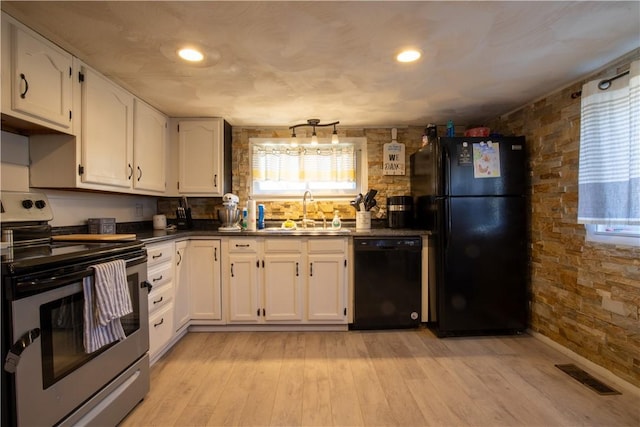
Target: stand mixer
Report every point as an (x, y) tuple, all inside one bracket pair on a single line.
[(229, 215)]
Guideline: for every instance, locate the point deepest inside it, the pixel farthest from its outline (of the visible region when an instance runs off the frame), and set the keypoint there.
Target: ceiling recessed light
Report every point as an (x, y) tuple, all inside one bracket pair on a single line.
[(191, 55), (408, 55)]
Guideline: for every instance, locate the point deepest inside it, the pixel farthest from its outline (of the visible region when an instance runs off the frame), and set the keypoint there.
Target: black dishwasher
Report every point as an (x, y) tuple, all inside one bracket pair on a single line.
[(388, 282)]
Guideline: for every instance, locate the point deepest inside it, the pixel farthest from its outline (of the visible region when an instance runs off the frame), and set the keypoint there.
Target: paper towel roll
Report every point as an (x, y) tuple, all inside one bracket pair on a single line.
[(251, 215)]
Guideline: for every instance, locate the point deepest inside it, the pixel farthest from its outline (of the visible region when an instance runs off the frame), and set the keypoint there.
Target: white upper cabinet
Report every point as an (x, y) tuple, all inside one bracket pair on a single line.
[(201, 157), (150, 130), (36, 78), (107, 131)]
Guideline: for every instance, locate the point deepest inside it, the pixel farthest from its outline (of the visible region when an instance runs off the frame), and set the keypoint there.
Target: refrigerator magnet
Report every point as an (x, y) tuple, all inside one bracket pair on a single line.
[(486, 160)]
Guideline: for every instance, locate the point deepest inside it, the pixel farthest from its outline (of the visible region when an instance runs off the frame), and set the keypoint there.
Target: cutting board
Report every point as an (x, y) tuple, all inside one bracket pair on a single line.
[(94, 237)]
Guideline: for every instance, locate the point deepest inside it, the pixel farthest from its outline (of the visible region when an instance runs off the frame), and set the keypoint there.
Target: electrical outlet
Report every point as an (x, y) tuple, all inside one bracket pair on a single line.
[(139, 213)]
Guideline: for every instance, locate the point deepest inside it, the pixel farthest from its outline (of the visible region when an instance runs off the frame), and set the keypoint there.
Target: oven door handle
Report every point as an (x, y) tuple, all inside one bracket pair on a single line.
[(13, 357), (68, 278), (148, 285)]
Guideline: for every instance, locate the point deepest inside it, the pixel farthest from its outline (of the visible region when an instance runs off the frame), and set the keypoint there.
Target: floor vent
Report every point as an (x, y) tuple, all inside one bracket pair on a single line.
[(586, 379)]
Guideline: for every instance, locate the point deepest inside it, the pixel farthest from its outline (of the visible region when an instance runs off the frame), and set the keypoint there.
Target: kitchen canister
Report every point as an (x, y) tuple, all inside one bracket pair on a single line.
[(363, 220), (159, 222)]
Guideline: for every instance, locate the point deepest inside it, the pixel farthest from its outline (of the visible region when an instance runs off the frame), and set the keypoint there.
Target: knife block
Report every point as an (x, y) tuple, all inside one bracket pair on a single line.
[(185, 221)]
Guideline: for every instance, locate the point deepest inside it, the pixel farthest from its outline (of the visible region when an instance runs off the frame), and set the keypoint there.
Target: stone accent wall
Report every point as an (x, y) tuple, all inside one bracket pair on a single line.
[(585, 295), (292, 209)]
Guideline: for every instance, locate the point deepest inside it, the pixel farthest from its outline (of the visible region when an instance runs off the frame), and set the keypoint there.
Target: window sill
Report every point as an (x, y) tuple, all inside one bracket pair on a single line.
[(610, 239)]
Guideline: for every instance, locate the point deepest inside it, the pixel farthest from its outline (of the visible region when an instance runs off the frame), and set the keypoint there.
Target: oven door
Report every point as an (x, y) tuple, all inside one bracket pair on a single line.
[(54, 376)]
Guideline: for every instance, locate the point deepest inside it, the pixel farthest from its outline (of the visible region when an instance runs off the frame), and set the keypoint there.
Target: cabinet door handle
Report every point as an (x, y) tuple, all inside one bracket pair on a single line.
[(310, 269), (159, 323), (232, 270), (139, 173), (179, 259), (23, 95), (215, 180), (156, 256), (297, 272), (258, 312), (155, 279), (158, 300), (215, 254), (130, 171)]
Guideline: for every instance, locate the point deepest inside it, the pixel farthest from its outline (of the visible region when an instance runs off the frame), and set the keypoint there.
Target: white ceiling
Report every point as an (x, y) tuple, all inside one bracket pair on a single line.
[(276, 63)]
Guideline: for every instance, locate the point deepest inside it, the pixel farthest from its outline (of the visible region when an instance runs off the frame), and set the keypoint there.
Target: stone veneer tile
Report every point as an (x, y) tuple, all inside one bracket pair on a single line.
[(578, 288)]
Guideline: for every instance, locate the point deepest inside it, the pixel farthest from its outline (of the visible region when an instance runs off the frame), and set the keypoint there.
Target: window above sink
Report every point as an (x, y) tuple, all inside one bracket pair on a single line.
[(282, 170)]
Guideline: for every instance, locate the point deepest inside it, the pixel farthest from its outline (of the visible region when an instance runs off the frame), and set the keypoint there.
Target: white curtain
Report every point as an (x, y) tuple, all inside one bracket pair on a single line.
[(609, 168), (308, 164)]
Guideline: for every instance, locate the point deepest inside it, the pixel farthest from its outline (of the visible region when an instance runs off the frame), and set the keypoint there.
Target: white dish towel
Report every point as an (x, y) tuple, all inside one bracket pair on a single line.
[(106, 300)]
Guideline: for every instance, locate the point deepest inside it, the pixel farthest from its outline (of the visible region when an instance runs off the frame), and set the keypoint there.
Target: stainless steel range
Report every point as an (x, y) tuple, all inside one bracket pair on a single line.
[(49, 378)]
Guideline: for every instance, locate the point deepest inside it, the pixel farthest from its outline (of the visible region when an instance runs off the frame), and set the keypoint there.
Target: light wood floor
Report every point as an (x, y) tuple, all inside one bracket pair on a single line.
[(380, 378)]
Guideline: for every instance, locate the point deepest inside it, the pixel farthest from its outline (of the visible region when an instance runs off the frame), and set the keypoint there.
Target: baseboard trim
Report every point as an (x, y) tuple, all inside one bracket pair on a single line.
[(586, 363), (266, 328)]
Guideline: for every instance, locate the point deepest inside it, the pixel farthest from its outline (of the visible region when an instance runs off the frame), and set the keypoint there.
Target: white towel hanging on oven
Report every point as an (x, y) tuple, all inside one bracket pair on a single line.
[(106, 299), (112, 291)]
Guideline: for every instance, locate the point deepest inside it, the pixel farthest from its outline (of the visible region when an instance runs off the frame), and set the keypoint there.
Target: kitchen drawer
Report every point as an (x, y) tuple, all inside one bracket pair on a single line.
[(160, 296), (160, 329), (286, 244), (243, 245), (327, 245), (159, 253), (160, 274)]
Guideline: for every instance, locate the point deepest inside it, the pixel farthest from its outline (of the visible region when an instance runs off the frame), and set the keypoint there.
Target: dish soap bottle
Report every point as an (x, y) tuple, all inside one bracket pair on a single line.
[(336, 224)]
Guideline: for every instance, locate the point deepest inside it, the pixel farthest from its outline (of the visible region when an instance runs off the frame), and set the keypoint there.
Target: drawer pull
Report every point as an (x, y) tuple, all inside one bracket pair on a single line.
[(246, 245), (155, 325), (158, 300), (157, 256), (155, 279)]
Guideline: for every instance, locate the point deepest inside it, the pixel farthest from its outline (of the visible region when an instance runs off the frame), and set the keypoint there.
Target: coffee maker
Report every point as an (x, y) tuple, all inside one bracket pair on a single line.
[(229, 215)]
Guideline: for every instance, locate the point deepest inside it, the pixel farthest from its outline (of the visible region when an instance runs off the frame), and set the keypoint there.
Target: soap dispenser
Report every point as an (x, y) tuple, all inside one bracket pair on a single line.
[(336, 223)]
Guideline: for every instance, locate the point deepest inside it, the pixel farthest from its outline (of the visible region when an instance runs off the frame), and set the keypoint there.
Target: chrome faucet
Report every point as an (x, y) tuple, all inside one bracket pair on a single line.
[(306, 221)]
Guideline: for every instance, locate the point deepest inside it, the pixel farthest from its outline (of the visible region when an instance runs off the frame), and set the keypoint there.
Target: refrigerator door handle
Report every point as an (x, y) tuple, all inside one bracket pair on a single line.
[(447, 232), (446, 170)]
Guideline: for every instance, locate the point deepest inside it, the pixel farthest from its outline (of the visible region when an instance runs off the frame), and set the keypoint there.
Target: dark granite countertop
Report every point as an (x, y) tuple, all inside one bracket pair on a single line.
[(156, 236)]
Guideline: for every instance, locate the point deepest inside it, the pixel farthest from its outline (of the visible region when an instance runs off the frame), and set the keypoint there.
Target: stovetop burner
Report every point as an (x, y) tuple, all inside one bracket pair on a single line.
[(27, 214)]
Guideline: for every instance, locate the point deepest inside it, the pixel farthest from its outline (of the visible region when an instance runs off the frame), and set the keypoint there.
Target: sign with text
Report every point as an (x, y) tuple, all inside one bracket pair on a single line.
[(393, 158)]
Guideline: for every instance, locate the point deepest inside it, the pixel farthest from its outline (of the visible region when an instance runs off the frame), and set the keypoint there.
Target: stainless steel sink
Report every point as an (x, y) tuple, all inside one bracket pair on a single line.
[(312, 231)]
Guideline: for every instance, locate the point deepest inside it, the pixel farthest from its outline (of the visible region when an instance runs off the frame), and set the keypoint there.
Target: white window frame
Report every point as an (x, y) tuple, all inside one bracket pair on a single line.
[(600, 233), (362, 176)]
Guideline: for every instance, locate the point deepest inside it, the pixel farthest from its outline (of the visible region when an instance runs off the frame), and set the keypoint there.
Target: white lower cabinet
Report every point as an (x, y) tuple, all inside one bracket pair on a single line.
[(160, 330), (327, 280), (182, 312), (264, 281), (283, 280), (268, 280), (204, 260), (242, 280), (160, 273)]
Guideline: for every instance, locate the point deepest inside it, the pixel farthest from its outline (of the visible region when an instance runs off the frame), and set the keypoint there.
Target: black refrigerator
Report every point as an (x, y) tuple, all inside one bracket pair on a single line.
[(470, 192)]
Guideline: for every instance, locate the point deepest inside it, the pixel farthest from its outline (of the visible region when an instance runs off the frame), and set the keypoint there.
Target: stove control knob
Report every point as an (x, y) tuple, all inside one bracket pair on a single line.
[(40, 204), (27, 204)]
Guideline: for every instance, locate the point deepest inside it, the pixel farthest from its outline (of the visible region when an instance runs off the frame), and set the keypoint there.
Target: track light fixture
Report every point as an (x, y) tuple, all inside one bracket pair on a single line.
[(314, 138)]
